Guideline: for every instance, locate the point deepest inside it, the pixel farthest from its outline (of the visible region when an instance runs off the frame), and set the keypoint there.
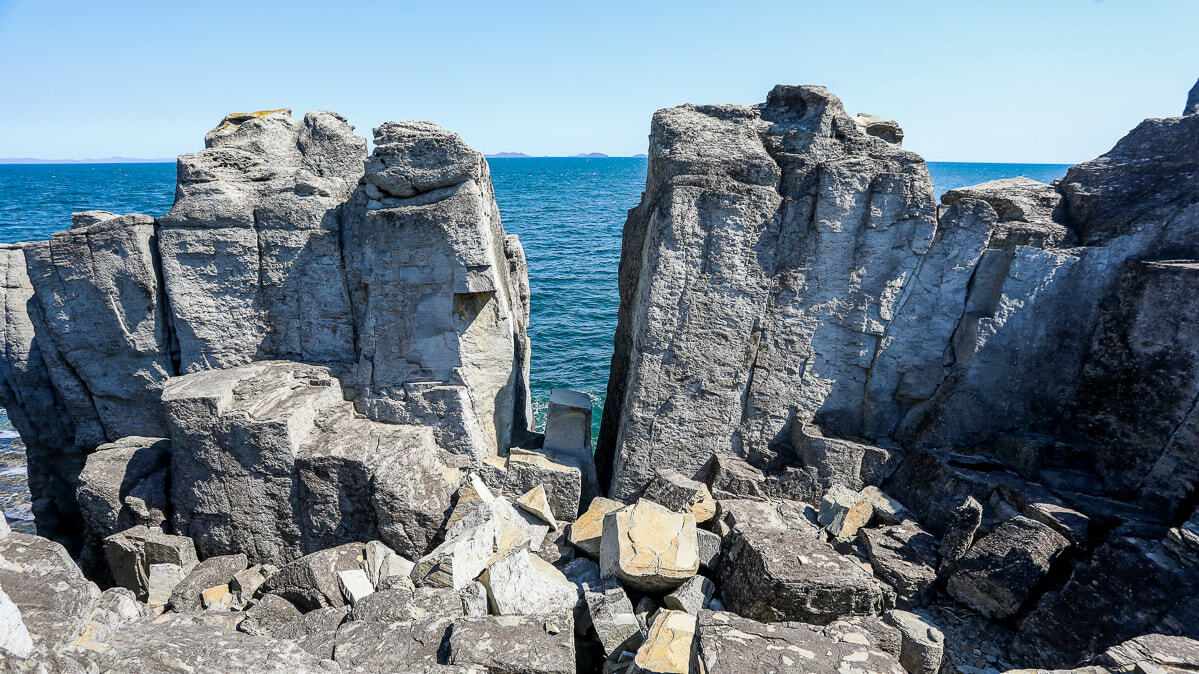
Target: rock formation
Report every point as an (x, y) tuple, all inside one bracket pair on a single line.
[(848, 430)]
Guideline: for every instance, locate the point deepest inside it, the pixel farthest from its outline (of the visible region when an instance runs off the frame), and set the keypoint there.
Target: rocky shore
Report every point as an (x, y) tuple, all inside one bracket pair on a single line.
[(286, 426)]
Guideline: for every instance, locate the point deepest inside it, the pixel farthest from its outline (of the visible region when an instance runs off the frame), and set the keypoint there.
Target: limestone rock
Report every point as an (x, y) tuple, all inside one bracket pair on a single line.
[(611, 613), (886, 509), (161, 582), (681, 494), (355, 585), (693, 595), (114, 476), (535, 503), (730, 644), (208, 573), (669, 647), (905, 557), (131, 552), (524, 584), (117, 606), (838, 461), (245, 583), (381, 562), (268, 615), (310, 582), (474, 600), (568, 432), (315, 631), (709, 549), (459, 561), (241, 484), (843, 512), (1003, 568), (14, 637), (801, 200), (586, 532), (648, 547), (526, 644), (959, 535), (408, 604), (776, 514), (1172, 653), (775, 574), (46, 585), (923, 644), (410, 646), (561, 475)]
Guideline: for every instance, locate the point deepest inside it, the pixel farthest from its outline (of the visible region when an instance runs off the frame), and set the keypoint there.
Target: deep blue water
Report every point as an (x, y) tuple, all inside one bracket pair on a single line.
[(568, 212)]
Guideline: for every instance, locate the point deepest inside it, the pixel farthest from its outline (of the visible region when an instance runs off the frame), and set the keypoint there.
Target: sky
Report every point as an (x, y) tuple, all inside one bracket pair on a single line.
[(1047, 81)]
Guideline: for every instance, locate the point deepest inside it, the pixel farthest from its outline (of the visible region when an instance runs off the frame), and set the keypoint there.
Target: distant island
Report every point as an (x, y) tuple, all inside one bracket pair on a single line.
[(641, 155), (594, 155), (508, 155), (102, 160)]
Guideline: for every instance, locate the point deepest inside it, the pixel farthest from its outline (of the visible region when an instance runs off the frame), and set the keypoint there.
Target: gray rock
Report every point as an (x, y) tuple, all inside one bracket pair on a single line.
[(161, 582), (732, 477), (42, 580), (959, 534), (611, 613), (355, 585), (430, 272), (131, 552), (116, 607), (778, 514), (801, 200), (315, 631), (561, 475), (1005, 567), (310, 582), (681, 494), (568, 432), (923, 644), (119, 482), (731, 644), (175, 640), (524, 584), (844, 511), (245, 583), (774, 574), (208, 573), (474, 600), (405, 605), (886, 509), (14, 636), (268, 615), (1170, 652), (709, 549), (241, 484), (410, 646), (843, 462), (905, 557), (529, 645), (693, 595)]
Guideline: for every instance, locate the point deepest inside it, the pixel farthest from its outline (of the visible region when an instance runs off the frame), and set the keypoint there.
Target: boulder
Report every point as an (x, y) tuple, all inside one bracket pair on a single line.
[(838, 461), (161, 582), (959, 534), (116, 607), (407, 604), (245, 583), (355, 585), (241, 484), (611, 614), (731, 644), (124, 484), (315, 631), (585, 533), (411, 646), (559, 474), (733, 477), (886, 509), (922, 645), (380, 562), (505, 643), (693, 595), (211, 572), (669, 646), (131, 553), (905, 557), (524, 584), (773, 513), (1005, 567), (1171, 653), (14, 636), (268, 615), (474, 600), (568, 432), (709, 549), (534, 502), (672, 489), (310, 582), (843, 512), (648, 547), (776, 574)]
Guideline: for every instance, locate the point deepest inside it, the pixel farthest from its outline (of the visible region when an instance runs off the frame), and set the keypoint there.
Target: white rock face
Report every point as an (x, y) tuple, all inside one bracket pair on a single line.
[(524, 584), (14, 637)]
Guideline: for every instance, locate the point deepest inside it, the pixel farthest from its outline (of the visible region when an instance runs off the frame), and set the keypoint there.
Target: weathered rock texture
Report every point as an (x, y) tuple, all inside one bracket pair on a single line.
[(286, 242)]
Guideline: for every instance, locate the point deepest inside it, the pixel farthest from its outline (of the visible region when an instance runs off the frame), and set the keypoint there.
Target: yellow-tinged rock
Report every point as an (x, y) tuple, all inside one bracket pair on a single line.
[(670, 645), (215, 596), (649, 547), (535, 503), (471, 494), (586, 531)]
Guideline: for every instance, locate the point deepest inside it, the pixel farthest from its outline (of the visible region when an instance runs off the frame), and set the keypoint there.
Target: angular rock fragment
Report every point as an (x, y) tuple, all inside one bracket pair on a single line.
[(843, 512), (886, 509), (709, 549), (505, 643), (269, 614), (535, 503), (585, 532), (672, 489), (693, 595), (838, 461), (410, 646), (1171, 653), (14, 636), (474, 600), (114, 476), (524, 584), (959, 534), (130, 554), (731, 644), (1003, 569), (310, 582), (923, 644), (211, 572), (245, 583), (778, 514), (732, 477), (116, 606), (559, 474), (669, 647), (161, 582), (315, 631), (568, 432), (648, 547), (407, 604), (905, 557), (774, 574), (355, 585), (611, 614)]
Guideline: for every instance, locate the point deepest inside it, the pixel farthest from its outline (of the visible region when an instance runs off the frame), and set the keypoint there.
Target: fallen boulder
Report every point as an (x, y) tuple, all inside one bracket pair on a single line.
[(1005, 567), (648, 547), (506, 643)]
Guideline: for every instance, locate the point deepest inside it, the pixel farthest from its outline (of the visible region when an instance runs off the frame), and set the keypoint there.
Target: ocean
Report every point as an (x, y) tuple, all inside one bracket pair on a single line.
[(568, 212)]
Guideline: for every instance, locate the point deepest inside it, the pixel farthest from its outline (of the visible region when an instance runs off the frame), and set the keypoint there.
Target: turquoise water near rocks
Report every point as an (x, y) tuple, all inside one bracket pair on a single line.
[(568, 212)]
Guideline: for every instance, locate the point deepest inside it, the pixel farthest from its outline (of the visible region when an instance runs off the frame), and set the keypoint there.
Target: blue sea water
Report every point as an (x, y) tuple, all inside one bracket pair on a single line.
[(568, 212)]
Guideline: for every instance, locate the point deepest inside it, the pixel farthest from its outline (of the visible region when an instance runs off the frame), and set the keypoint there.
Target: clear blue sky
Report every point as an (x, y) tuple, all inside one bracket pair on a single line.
[(1011, 80)]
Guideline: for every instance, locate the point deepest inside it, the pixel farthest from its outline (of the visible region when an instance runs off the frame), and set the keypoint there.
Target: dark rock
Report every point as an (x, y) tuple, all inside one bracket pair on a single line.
[(1003, 569), (1169, 652), (131, 552), (406, 605), (905, 557), (959, 533), (391, 647), (516, 644), (269, 614), (124, 484), (310, 582), (674, 490), (315, 631), (843, 462)]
